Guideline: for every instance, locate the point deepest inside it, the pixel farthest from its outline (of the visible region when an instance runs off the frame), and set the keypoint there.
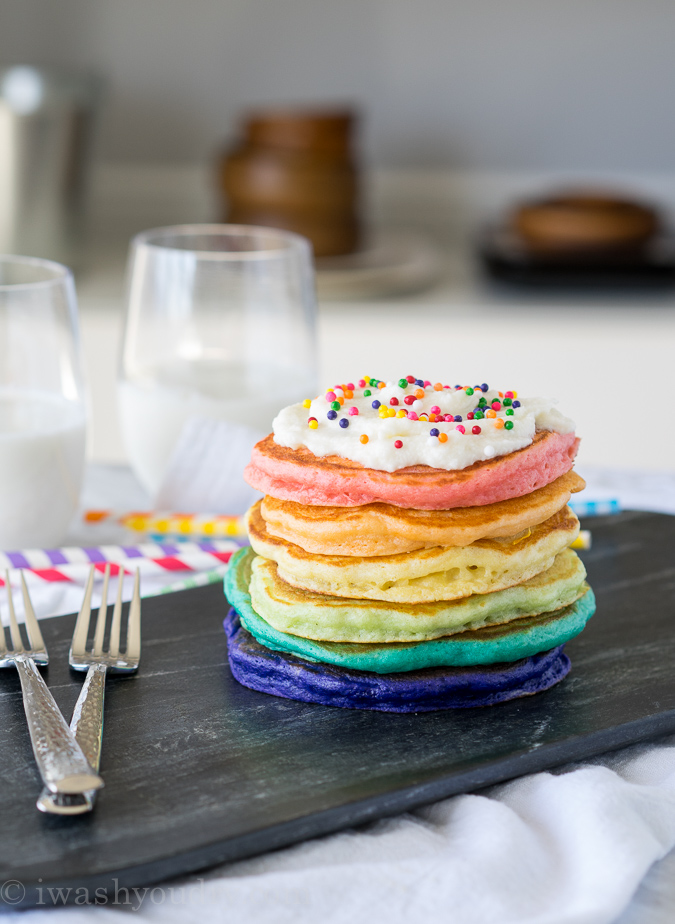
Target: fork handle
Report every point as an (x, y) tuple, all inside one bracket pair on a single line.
[(59, 757), (87, 721), (87, 726)]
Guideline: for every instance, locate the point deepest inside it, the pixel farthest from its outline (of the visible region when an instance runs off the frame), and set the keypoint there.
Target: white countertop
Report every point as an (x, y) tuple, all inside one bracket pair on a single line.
[(610, 365)]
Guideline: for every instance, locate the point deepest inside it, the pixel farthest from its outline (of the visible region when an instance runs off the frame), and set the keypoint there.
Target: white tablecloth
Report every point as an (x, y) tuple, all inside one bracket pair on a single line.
[(567, 847)]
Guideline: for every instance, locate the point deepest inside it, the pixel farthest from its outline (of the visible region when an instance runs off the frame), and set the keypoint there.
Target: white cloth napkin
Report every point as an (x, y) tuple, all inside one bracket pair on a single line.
[(545, 848), (569, 847)]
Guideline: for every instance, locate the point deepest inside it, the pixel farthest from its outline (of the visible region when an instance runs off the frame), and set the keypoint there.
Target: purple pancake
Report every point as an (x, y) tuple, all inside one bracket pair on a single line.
[(282, 674)]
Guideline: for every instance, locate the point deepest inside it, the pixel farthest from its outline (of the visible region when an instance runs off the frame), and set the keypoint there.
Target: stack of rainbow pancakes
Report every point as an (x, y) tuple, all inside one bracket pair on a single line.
[(412, 551)]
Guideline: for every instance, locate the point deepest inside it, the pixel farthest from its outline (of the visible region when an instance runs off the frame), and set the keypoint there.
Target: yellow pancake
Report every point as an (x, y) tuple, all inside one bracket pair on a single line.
[(340, 619), (439, 573)]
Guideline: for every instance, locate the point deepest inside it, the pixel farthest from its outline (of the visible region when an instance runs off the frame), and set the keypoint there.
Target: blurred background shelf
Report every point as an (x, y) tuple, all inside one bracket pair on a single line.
[(466, 109), (605, 354)]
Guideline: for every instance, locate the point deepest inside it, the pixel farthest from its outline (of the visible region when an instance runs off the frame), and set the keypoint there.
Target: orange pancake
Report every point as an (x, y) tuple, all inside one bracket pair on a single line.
[(382, 529)]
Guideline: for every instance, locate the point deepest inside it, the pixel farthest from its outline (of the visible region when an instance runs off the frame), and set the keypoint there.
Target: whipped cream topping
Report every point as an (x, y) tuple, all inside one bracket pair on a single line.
[(356, 429)]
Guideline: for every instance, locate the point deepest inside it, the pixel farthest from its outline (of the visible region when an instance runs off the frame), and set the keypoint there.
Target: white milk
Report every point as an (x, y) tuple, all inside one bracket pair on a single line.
[(153, 410), (42, 443)]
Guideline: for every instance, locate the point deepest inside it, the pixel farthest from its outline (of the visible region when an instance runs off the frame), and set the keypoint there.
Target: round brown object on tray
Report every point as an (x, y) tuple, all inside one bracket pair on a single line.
[(580, 221), (294, 169)]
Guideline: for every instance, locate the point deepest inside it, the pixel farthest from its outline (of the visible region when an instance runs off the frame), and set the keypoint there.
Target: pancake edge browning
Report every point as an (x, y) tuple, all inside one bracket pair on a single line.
[(487, 645), (384, 529), (520, 639), (339, 619), (439, 573), (299, 475)]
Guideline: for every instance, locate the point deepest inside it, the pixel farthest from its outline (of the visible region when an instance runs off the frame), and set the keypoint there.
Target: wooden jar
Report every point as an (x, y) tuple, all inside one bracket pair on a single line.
[(295, 170)]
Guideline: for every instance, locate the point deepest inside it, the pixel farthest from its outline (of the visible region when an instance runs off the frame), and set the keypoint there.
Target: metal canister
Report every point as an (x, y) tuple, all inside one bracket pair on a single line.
[(46, 122)]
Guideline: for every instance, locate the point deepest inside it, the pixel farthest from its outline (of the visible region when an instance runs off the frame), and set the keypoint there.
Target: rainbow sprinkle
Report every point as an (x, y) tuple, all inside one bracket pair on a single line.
[(496, 412)]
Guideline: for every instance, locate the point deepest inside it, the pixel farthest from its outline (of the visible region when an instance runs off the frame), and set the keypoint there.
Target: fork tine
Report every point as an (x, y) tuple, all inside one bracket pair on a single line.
[(102, 614), (134, 629), (78, 645), (17, 642), (116, 619), (35, 639)]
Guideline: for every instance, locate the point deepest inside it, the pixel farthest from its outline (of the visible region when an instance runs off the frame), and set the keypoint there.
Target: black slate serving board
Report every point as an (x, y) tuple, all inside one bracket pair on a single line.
[(199, 770), (505, 259)]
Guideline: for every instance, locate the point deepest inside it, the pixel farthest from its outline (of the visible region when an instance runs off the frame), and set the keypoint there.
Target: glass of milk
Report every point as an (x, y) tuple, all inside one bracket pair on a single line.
[(42, 416), (220, 327)]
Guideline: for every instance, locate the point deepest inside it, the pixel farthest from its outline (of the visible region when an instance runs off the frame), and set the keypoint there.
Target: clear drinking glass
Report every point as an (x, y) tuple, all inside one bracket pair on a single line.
[(42, 416), (220, 324)]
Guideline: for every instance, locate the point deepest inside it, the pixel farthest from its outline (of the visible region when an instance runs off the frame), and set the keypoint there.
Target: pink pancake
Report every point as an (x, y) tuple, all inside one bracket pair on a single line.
[(298, 475)]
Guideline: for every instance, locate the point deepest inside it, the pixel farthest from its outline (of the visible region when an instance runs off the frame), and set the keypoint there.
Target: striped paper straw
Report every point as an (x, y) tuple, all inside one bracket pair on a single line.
[(176, 524), (600, 508), (583, 540), (73, 564), (196, 580)]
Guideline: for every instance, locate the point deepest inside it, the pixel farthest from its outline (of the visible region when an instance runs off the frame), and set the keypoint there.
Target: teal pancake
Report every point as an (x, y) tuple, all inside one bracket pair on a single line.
[(490, 645)]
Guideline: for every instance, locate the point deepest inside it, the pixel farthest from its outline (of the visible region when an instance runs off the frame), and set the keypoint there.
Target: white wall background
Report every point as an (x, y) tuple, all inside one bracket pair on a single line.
[(486, 84)]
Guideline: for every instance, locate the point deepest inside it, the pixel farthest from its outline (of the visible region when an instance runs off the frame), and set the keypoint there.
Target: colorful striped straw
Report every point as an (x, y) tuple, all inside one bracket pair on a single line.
[(177, 524), (73, 564), (600, 508)]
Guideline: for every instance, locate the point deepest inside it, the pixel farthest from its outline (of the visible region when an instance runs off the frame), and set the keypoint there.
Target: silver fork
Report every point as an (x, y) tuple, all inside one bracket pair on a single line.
[(87, 721), (60, 759)]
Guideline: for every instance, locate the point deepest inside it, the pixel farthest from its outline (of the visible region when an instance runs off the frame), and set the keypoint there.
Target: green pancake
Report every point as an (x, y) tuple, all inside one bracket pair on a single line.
[(339, 619), (491, 644)]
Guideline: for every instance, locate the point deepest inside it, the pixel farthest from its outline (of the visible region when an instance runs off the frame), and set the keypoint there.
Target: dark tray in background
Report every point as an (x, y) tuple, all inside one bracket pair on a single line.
[(506, 260), (200, 770)]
